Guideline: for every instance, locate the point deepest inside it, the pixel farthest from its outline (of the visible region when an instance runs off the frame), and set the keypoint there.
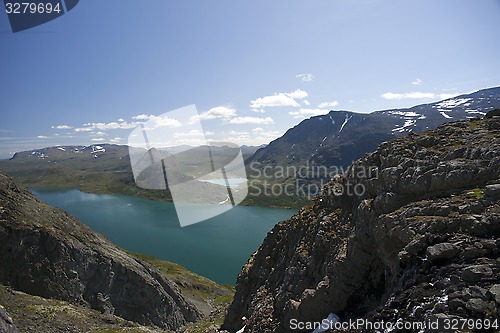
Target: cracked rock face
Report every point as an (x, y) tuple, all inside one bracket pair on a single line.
[(420, 242), (46, 252)]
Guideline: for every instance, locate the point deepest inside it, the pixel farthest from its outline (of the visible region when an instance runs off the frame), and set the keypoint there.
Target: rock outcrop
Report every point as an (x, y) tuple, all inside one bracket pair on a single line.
[(46, 252), (410, 232), (6, 323)]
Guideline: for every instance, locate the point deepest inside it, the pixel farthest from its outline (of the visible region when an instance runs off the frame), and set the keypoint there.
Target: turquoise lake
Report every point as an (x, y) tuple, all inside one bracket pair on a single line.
[(216, 248)]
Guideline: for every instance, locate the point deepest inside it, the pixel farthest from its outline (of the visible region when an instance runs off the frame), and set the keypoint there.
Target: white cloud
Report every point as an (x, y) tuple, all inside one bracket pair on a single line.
[(306, 102), (115, 140), (446, 96), (255, 139), (153, 122), (111, 125), (258, 130), (121, 120), (237, 133), (306, 113), (280, 99), (216, 113), (239, 138), (251, 120), (306, 77), (193, 137), (298, 94), (42, 137), (89, 127), (84, 129), (98, 139), (191, 133), (62, 127), (417, 82), (141, 117), (419, 95), (416, 95), (162, 122), (390, 95), (328, 104)]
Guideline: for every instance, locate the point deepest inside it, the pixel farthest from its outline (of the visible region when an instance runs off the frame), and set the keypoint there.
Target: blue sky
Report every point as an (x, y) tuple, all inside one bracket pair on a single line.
[(252, 68)]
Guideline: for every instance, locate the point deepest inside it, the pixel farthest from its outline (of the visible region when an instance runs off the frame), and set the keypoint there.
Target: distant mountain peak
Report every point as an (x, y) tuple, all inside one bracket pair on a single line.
[(339, 137)]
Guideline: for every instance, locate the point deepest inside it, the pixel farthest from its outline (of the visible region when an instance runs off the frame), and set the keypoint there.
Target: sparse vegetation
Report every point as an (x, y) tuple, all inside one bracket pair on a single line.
[(474, 124), (200, 290), (48, 315), (476, 192)]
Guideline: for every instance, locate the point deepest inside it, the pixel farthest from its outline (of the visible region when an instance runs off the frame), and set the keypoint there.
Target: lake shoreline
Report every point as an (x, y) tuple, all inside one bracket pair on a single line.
[(246, 202), (216, 248)]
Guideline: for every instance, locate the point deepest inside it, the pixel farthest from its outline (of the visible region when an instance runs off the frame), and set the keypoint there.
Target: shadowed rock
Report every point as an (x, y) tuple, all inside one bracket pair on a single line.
[(46, 252), (420, 243)]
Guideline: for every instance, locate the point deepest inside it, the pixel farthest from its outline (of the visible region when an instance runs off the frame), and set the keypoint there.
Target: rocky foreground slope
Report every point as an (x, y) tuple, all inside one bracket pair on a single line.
[(46, 252), (411, 233)]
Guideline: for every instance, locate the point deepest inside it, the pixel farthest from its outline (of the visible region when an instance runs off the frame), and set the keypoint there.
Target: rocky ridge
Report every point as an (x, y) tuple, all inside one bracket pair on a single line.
[(48, 253), (418, 241)]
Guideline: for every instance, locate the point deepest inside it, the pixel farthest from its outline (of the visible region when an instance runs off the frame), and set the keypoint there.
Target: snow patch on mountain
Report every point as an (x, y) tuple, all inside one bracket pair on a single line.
[(405, 127), (476, 112), (98, 149), (451, 103), (444, 114), (347, 118), (333, 121), (38, 154), (405, 114)]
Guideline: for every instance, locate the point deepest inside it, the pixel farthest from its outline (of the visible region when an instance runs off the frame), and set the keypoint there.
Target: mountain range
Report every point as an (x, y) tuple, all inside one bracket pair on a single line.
[(104, 168), (304, 158), (340, 137)]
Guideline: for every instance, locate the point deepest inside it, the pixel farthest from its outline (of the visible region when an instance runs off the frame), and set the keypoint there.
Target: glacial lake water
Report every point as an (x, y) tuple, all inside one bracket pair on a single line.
[(216, 248)]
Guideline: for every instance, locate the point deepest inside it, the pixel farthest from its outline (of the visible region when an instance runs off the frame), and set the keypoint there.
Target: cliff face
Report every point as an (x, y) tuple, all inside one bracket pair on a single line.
[(410, 231), (46, 252)]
